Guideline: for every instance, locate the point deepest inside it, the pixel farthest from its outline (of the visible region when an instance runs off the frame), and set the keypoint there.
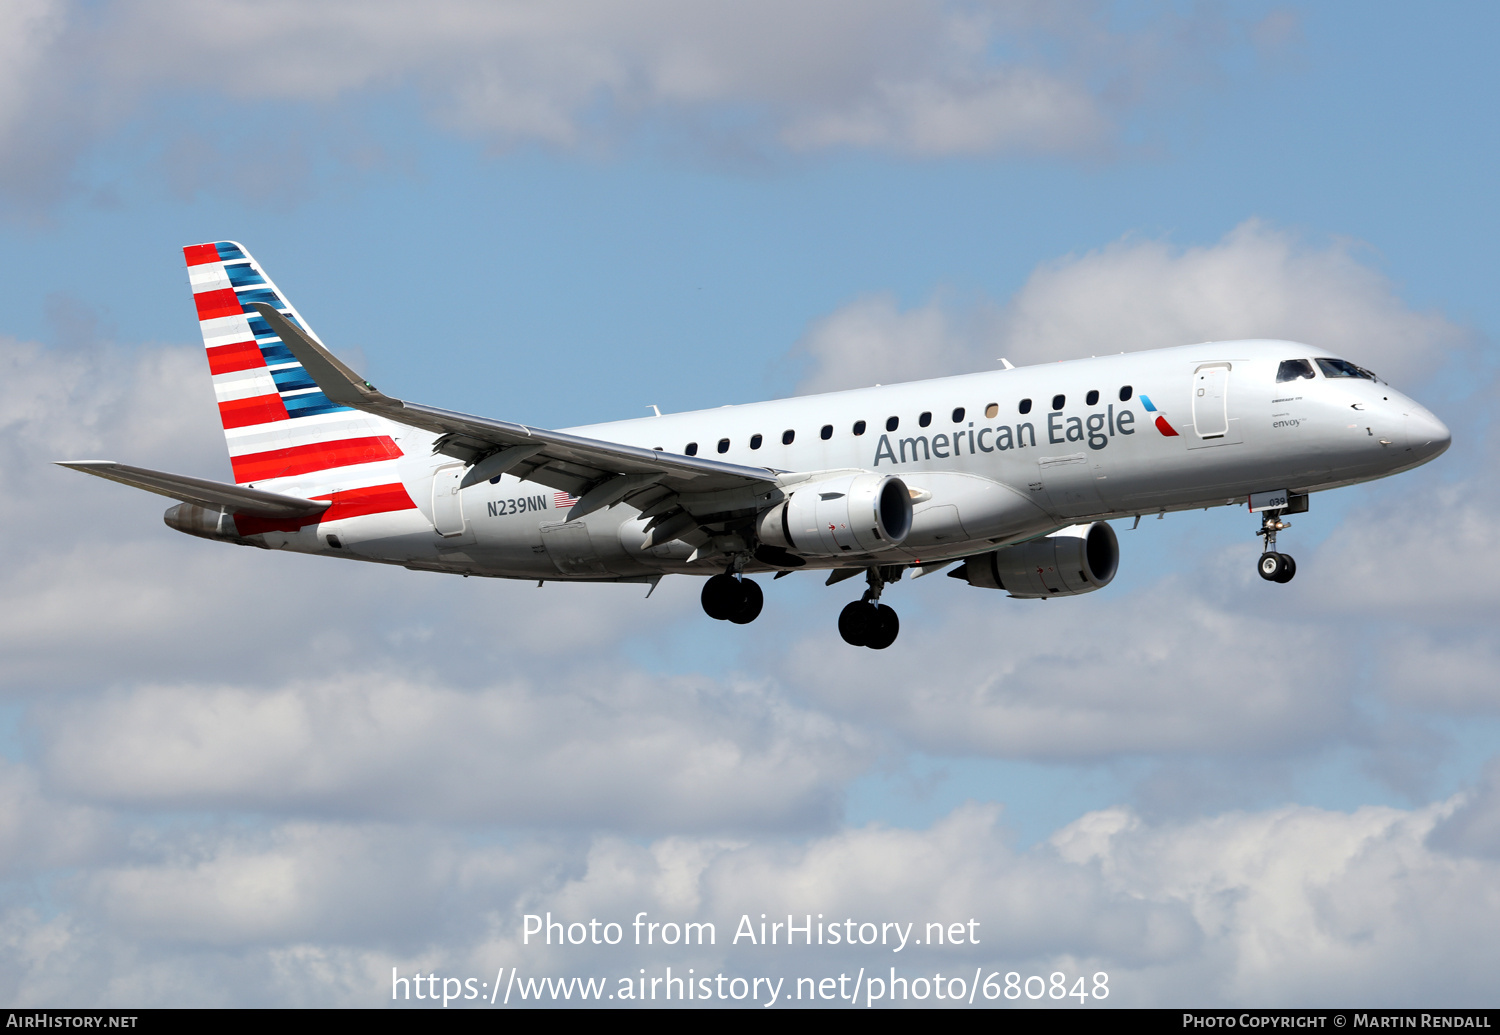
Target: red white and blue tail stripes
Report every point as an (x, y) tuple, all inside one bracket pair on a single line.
[(257, 379), (279, 425)]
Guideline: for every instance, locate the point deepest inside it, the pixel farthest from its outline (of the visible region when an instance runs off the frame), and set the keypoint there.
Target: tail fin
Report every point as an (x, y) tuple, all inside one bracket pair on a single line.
[(278, 424)]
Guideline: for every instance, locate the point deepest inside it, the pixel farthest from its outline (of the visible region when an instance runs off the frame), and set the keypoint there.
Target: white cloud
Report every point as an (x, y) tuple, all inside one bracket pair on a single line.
[(919, 77), (1168, 671), (1426, 568), (38, 831), (1292, 906), (1257, 282), (1309, 906), (1018, 109), (1473, 827), (1444, 669), (27, 29), (96, 400), (300, 883), (592, 747), (871, 341)]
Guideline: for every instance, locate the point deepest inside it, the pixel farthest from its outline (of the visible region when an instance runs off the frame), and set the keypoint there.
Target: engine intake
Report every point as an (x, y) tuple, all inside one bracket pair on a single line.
[(1070, 561), (857, 513)]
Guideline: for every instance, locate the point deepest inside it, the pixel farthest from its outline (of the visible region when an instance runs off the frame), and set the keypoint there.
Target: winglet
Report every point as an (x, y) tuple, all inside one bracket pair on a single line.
[(337, 381)]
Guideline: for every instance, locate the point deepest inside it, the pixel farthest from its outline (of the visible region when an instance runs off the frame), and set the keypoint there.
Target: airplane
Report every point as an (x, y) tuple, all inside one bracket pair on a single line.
[(1009, 477)]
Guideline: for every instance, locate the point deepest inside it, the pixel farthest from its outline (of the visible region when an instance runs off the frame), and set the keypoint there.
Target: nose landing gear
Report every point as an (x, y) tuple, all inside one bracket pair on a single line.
[(1273, 566), (867, 622), (1277, 567)]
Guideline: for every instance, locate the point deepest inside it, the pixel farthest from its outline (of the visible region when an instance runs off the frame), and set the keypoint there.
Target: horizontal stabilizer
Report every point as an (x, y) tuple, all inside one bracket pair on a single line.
[(201, 491)]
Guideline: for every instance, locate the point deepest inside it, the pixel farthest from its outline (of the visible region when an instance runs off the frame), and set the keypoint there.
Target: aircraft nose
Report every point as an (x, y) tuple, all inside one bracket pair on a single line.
[(1425, 434)]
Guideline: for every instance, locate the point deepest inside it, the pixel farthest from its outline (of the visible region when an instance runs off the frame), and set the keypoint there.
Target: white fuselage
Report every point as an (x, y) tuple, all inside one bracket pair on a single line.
[(982, 472)]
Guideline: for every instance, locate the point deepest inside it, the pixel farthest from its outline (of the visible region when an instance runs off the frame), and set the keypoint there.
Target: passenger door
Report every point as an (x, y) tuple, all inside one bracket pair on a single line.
[(1211, 400)]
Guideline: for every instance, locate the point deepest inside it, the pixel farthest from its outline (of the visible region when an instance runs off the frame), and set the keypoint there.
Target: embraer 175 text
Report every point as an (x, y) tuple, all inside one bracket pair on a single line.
[(1011, 473)]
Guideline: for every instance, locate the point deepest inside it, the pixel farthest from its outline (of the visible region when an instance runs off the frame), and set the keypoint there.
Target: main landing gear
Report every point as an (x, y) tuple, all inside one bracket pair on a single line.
[(1273, 566), (732, 599), (867, 622)]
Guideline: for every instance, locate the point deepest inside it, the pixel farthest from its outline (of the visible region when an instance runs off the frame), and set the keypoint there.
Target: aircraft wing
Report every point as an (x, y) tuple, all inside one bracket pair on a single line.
[(201, 491), (601, 473)]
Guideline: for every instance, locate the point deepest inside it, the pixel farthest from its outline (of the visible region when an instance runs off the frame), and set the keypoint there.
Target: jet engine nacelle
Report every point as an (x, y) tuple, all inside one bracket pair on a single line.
[(856, 513), (1073, 560)]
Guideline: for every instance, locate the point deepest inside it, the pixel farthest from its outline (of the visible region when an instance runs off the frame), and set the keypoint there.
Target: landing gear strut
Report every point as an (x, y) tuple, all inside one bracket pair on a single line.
[(1273, 566), (867, 622), (732, 599)]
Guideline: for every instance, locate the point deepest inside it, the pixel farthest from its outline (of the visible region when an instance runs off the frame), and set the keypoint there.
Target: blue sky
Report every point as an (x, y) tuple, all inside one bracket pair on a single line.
[(218, 766)]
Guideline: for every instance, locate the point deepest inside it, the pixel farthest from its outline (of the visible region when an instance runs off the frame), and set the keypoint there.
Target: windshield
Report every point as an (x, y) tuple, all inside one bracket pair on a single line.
[(1294, 370), (1343, 368)]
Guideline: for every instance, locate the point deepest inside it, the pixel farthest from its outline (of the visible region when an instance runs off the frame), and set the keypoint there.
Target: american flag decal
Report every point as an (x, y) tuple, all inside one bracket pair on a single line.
[(562, 500)]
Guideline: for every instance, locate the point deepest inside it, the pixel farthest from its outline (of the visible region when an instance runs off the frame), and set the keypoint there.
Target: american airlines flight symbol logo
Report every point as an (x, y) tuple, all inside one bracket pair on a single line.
[(1161, 422)]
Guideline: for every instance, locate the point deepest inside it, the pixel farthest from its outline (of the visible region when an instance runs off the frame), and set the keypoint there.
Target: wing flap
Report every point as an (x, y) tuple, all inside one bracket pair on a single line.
[(201, 491)]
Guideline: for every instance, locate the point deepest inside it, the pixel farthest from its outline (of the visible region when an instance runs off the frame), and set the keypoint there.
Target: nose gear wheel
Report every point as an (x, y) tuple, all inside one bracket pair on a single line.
[(1273, 566), (1277, 567)]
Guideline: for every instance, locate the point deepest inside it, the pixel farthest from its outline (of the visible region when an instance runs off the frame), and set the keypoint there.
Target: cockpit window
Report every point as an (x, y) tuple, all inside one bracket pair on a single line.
[(1294, 370), (1343, 368)]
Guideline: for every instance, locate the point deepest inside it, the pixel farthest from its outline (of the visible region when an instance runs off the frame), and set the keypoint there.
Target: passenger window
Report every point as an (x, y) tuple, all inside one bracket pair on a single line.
[(755, 441), (1092, 399), (1294, 370), (1125, 393), (1058, 401), (925, 419), (892, 423), (859, 427), (993, 409), (827, 432), (692, 449), (958, 415), (723, 445), (1343, 368), (1025, 406), (787, 436)]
